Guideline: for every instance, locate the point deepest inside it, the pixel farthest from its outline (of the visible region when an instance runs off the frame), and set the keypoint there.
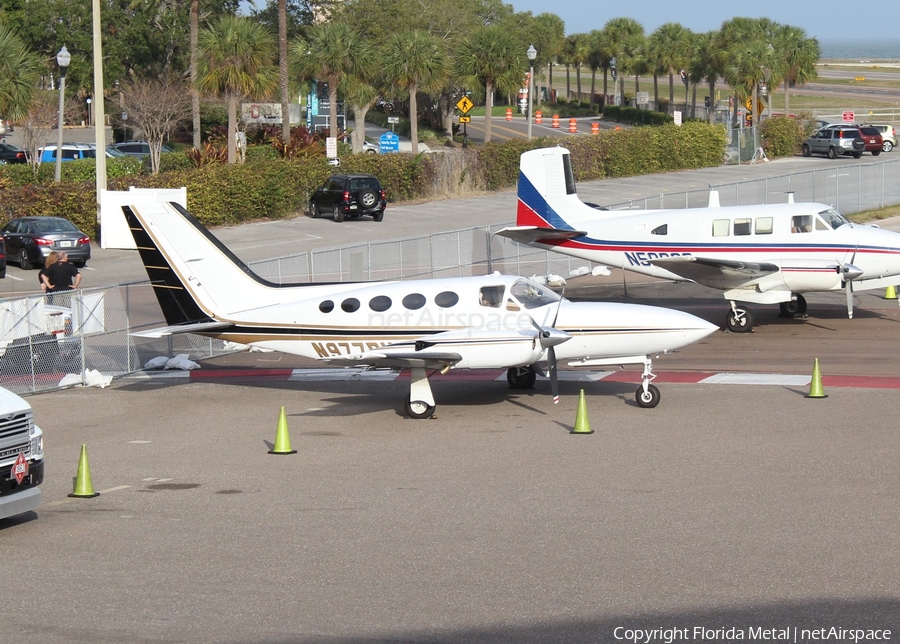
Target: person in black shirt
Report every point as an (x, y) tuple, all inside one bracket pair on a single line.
[(62, 276)]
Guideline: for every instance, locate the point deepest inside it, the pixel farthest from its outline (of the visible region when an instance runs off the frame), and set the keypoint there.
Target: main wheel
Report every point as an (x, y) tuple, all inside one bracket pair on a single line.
[(793, 307), (24, 264), (832, 153), (521, 377), (337, 214), (647, 399), (805, 150), (739, 321), (418, 409)]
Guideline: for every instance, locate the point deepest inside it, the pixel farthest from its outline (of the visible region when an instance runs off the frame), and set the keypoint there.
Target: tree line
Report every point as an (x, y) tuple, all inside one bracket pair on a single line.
[(426, 52)]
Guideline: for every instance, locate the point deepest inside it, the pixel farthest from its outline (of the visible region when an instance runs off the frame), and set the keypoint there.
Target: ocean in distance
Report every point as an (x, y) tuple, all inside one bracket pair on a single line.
[(861, 49)]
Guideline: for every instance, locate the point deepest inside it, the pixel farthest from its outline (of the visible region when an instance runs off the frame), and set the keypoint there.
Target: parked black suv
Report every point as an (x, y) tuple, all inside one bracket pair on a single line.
[(349, 195)]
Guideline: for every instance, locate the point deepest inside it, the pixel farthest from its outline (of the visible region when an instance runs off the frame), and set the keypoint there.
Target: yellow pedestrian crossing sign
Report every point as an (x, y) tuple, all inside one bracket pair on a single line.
[(465, 104)]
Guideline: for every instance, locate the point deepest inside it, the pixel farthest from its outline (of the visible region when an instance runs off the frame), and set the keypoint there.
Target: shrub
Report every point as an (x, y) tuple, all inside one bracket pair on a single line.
[(781, 136)]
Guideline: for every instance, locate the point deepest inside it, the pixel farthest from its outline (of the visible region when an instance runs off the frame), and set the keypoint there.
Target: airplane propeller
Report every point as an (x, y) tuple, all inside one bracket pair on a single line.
[(849, 272), (549, 337)]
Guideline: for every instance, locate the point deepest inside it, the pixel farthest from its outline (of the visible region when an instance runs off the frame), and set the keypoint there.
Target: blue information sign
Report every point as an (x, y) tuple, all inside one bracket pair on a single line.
[(388, 142)]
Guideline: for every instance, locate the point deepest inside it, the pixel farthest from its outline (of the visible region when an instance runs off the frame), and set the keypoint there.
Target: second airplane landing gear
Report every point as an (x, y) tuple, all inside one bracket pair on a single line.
[(647, 395), (794, 308), (739, 319)]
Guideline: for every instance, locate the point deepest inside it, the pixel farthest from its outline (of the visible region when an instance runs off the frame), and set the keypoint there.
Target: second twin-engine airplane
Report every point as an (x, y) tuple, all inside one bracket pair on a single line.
[(486, 322), (768, 254)]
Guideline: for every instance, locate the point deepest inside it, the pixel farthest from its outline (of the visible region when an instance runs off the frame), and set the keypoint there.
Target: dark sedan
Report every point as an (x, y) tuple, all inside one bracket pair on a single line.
[(12, 154), (2, 259), (30, 239)]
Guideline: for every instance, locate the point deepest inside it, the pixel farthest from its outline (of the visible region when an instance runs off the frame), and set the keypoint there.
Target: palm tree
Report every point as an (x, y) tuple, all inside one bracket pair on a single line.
[(796, 57), (236, 59), (20, 71), (491, 60), (332, 52), (415, 60), (749, 55), (283, 71), (625, 37), (669, 49), (194, 22), (708, 63), (598, 57), (576, 52)]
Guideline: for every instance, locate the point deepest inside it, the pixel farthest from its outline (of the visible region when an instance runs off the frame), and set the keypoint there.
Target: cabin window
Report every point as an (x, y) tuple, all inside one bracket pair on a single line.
[(742, 226), (326, 307), (763, 225), (350, 305), (491, 296), (532, 295), (801, 224), (660, 230), (446, 299), (834, 218), (821, 225), (380, 303), (414, 301), (720, 227)]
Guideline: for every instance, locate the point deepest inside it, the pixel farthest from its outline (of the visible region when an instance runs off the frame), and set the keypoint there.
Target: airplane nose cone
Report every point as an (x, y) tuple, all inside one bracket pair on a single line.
[(551, 337), (694, 328)]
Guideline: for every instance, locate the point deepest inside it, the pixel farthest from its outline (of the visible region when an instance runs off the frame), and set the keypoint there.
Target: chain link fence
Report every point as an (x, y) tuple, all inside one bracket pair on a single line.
[(43, 340)]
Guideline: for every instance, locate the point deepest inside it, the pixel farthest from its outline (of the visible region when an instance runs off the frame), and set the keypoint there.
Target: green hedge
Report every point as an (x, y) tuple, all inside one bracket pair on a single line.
[(267, 188)]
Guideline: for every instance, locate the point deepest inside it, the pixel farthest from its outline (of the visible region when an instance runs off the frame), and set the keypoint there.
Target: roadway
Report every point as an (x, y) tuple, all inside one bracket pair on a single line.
[(728, 506)]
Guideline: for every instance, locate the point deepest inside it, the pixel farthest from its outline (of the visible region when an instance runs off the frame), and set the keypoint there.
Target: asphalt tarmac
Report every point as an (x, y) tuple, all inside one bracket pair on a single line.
[(726, 507)]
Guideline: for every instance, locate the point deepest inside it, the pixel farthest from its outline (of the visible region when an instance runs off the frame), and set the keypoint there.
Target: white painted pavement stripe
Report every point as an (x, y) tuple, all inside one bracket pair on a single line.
[(571, 376), (756, 379)]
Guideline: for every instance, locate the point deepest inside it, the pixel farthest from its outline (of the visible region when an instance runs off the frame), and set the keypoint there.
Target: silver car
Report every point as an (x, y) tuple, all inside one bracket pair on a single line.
[(835, 140)]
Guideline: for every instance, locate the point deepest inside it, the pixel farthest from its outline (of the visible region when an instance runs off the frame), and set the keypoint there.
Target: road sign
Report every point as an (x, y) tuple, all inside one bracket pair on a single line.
[(643, 98), (393, 119), (331, 147), (465, 104), (848, 117), (465, 119), (388, 142)]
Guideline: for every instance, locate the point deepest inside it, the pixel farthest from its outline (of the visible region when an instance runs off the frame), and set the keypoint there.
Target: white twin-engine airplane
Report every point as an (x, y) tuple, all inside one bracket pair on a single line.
[(768, 254), (487, 322)]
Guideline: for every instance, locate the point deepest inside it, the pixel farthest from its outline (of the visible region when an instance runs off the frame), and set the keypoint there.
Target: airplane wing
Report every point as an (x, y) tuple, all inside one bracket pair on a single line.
[(428, 352), (531, 234), (716, 273), (196, 327)]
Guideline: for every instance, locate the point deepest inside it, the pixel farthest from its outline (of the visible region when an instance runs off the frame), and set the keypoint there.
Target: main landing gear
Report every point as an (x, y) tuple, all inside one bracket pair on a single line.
[(420, 402), (795, 308), (647, 395), (740, 319)]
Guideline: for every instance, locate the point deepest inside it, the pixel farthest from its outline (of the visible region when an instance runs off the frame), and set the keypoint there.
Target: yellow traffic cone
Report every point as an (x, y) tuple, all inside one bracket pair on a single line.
[(582, 425), (84, 488), (815, 385), (282, 439), (890, 293)]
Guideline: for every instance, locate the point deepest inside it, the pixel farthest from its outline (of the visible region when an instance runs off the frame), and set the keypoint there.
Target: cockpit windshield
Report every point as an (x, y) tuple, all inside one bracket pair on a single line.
[(833, 218), (532, 295)]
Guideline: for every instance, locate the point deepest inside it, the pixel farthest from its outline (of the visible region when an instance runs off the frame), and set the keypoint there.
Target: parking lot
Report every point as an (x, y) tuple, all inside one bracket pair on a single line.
[(728, 506)]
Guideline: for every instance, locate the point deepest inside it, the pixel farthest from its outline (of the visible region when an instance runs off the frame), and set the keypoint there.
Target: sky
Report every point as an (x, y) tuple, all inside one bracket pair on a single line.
[(825, 20)]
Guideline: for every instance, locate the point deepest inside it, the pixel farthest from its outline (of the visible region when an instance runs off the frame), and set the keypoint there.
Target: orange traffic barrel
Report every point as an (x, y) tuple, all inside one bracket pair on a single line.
[(509, 114), (595, 128), (538, 117), (618, 127), (573, 125), (555, 121)]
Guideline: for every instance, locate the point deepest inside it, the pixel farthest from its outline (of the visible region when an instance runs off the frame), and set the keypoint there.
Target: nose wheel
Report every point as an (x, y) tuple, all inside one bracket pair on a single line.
[(521, 377), (647, 395), (739, 319)]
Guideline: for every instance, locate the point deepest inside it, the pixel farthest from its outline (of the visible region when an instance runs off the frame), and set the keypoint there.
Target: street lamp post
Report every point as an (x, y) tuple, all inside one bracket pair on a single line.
[(532, 54), (63, 58)]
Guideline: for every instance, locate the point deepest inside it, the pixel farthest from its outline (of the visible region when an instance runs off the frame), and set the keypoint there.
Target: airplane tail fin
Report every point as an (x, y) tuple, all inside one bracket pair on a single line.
[(196, 279), (546, 192)]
